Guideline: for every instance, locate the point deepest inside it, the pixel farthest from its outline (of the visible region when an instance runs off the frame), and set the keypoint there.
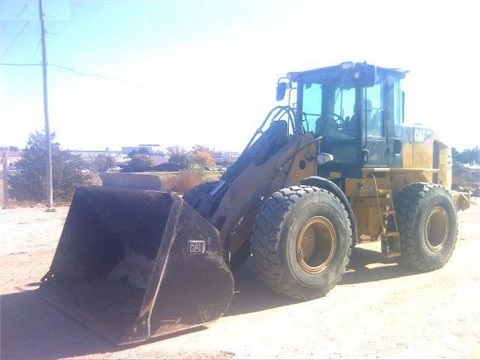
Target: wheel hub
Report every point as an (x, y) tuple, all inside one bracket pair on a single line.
[(316, 245), (437, 229)]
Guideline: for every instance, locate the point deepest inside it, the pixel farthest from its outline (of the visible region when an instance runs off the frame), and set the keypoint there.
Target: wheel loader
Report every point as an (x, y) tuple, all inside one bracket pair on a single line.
[(333, 165)]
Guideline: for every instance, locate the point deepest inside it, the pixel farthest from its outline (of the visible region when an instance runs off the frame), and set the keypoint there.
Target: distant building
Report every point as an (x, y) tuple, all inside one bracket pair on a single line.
[(226, 157), (94, 153), (12, 156), (89, 156), (159, 160), (152, 148)]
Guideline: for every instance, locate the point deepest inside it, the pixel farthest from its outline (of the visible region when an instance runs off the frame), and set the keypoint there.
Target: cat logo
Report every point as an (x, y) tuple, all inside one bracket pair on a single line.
[(420, 135), (196, 246)]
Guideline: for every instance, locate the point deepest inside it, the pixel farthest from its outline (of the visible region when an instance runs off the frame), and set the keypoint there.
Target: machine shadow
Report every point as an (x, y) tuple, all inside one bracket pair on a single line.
[(33, 329), (365, 266), (369, 265)]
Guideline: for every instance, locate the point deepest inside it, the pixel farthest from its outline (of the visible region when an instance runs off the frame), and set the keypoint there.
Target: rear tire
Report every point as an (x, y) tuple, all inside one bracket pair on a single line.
[(301, 242), (427, 222)]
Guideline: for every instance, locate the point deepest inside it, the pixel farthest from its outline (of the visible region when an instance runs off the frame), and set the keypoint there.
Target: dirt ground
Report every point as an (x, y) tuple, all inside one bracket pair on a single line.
[(378, 310)]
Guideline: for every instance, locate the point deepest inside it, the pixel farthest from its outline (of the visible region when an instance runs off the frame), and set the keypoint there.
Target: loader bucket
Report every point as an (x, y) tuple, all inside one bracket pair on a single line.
[(136, 264)]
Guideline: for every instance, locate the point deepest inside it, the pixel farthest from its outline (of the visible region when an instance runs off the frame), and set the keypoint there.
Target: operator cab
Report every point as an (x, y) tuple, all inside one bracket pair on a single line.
[(356, 111)]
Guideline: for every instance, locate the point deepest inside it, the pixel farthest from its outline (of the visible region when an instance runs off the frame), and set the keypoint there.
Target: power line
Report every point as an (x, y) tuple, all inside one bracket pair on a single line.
[(20, 33), (19, 64), (94, 75), (23, 10), (22, 30), (62, 67)]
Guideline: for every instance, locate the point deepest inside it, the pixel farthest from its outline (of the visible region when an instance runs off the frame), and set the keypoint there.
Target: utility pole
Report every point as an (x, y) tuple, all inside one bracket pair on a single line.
[(45, 110), (6, 199)]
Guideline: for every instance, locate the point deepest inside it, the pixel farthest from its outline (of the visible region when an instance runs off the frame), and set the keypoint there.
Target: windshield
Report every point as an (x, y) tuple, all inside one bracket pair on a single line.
[(335, 113), (329, 111)]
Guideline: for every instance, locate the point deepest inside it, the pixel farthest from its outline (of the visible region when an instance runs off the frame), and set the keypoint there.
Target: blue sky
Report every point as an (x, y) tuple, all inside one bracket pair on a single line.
[(123, 73)]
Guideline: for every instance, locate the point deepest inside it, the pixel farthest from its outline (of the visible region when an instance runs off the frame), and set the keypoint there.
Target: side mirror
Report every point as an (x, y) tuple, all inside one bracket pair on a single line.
[(281, 90)]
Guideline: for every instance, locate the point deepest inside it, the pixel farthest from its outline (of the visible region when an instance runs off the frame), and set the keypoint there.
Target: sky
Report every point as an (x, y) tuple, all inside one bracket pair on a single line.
[(197, 72)]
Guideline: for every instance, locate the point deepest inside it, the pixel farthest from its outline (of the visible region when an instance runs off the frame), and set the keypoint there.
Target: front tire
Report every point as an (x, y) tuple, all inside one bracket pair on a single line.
[(194, 196), (197, 198), (427, 222), (301, 242)]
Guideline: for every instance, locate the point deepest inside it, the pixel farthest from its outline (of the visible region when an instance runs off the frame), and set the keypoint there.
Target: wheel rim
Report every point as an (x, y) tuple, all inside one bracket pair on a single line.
[(316, 245), (437, 229)]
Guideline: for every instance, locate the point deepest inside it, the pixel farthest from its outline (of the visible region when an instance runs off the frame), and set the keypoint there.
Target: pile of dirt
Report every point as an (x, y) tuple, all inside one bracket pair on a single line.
[(466, 178)]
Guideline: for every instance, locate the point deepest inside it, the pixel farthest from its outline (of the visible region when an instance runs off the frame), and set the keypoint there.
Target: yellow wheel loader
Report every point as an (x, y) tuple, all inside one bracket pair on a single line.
[(332, 166)]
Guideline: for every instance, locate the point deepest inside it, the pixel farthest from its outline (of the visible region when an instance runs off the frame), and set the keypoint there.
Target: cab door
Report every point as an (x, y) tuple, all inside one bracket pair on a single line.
[(374, 132), (382, 124)]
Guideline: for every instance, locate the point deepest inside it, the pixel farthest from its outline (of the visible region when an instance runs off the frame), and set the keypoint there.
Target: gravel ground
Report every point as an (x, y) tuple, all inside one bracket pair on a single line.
[(378, 310)]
